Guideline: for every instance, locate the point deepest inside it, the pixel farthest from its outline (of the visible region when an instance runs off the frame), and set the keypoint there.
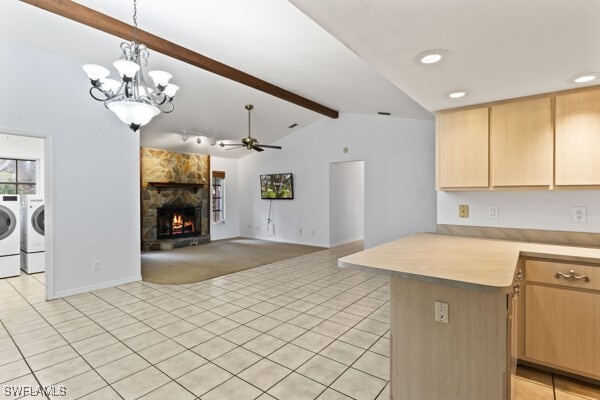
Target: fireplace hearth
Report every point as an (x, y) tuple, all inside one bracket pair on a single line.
[(178, 222)]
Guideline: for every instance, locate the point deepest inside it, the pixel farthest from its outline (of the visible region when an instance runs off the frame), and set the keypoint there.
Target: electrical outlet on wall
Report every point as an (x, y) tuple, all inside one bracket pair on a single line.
[(578, 214), (463, 210)]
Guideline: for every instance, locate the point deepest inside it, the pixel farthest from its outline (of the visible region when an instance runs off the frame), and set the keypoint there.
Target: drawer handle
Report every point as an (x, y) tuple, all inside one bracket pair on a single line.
[(572, 275)]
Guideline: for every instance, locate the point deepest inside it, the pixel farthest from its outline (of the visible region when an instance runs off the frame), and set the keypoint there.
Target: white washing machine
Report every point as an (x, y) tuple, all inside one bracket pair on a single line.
[(33, 243), (9, 236)]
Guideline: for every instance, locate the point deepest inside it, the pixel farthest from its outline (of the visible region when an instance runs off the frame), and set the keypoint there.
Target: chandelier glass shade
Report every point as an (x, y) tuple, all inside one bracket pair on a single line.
[(131, 98)]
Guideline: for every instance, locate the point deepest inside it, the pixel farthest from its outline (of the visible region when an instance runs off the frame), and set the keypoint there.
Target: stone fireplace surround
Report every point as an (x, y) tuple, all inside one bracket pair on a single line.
[(169, 167)]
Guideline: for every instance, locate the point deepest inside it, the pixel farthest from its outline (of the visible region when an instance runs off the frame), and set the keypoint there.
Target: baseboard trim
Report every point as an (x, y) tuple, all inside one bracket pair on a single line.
[(103, 285), (347, 241), (272, 239)]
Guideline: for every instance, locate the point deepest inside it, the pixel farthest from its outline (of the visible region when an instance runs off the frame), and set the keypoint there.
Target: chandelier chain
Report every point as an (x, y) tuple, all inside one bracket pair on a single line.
[(135, 21)]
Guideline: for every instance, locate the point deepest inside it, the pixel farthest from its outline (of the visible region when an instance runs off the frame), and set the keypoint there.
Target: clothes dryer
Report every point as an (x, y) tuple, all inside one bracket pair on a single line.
[(33, 242), (9, 236)]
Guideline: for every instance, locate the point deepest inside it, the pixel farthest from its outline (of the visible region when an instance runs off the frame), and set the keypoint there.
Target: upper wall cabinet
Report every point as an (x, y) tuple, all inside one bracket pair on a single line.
[(463, 148), (521, 143), (578, 138)]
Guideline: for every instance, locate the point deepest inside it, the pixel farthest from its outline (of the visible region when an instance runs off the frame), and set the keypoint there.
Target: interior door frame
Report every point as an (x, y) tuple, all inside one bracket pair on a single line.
[(48, 200)]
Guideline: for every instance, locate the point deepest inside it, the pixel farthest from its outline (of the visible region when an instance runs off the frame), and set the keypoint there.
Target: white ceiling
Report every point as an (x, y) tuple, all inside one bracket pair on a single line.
[(500, 49), (270, 39)]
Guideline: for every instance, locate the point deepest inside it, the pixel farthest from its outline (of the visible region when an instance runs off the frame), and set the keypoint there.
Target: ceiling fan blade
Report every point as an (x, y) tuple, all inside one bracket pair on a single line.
[(230, 144), (255, 147), (269, 147), (237, 147)]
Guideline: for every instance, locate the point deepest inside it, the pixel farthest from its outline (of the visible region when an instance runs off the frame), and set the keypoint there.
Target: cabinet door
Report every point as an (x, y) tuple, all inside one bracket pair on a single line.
[(463, 148), (561, 329), (522, 143), (578, 138)]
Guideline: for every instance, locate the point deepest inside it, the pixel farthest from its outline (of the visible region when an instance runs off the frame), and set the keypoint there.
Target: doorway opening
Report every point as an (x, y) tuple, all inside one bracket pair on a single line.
[(346, 202), (31, 153)]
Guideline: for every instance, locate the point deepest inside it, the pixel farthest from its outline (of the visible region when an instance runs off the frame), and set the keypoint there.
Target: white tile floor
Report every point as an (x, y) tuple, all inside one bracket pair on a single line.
[(297, 329)]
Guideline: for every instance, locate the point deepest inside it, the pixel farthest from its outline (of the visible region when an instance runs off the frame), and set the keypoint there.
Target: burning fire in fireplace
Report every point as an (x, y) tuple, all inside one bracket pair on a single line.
[(178, 225), (178, 222)]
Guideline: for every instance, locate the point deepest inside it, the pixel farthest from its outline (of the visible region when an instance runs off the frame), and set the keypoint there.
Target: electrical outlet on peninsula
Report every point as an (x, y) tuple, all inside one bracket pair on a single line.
[(441, 312)]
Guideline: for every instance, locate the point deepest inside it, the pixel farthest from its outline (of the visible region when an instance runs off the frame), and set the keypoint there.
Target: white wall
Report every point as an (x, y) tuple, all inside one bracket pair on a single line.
[(399, 179), (548, 210), (92, 190), (346, 202), (23, 147), (231, 227)]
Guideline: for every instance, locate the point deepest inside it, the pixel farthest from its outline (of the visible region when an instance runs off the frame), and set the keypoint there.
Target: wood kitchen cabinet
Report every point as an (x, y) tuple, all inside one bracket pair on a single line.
[(546, 142), (562, 317), (522, 143), (578, 138), (462, 138)]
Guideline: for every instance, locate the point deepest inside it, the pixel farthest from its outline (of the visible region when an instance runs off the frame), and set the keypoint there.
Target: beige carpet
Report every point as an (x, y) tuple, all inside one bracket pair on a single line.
[(221, 257)]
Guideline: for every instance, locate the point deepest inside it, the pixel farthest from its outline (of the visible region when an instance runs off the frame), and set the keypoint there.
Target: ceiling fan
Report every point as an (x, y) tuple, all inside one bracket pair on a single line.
[(249, 142)]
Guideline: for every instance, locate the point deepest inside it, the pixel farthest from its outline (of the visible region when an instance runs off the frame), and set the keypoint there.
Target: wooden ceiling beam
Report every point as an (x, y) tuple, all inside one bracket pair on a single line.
[(92, 18)]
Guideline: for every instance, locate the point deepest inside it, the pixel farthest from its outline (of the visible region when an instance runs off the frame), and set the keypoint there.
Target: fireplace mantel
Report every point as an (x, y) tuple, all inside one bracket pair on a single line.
[(161, 185)]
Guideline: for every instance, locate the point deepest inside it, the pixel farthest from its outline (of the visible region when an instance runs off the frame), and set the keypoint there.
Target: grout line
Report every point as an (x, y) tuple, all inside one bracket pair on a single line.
[(23, 358), (278, 272), (68, 343)]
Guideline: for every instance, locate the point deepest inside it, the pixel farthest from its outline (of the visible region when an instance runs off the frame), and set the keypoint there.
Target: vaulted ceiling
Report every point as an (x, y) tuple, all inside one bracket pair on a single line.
[(270, 39), (354, 56), (500, 49)]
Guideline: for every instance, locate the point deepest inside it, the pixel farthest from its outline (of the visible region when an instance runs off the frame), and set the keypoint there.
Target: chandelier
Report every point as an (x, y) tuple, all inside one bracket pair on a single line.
[(131, 99)]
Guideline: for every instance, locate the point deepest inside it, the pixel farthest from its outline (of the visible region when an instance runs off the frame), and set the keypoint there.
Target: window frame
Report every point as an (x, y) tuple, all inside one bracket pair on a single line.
[(17, 183), (217, 214)]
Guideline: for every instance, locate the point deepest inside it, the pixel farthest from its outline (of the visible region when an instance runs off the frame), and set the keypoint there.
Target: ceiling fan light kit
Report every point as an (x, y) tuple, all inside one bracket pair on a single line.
[(131, 99), (249, 142)]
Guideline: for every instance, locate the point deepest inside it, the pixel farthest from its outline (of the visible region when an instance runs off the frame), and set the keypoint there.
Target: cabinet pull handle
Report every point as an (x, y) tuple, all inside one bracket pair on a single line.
[(571, 275)]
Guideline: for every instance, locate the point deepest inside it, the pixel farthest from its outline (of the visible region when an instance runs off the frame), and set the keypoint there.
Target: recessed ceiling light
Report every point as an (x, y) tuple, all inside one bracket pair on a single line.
[(432, 56), (584, 78), (457, 94)]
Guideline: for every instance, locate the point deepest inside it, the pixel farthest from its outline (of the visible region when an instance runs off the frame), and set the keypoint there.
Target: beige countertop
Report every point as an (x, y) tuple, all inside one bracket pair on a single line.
[(473, 263)]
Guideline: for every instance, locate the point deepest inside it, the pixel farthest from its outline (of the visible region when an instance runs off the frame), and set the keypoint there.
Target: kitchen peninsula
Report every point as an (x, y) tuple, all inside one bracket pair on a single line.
[(473, 355)]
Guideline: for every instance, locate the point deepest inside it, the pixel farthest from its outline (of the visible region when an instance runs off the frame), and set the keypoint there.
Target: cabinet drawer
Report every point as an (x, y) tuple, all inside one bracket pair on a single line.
[(546, 272)]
